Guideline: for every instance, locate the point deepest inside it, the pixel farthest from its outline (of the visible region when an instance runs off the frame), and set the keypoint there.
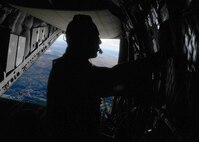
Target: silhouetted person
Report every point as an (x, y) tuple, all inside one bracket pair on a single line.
[(75, 85)]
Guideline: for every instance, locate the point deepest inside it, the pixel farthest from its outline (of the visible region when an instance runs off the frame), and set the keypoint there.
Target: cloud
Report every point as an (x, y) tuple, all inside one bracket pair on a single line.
[(112, 44)]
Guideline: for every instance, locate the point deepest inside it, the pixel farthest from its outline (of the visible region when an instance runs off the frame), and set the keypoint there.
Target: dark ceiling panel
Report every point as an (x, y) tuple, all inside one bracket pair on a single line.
[(63, 4)]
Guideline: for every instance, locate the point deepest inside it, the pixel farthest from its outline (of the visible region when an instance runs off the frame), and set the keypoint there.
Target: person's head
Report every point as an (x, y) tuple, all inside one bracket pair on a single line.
[(82, 37)]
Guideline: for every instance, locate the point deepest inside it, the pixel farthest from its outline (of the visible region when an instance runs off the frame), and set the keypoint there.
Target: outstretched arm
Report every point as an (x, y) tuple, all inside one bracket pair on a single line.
[(131, 76)]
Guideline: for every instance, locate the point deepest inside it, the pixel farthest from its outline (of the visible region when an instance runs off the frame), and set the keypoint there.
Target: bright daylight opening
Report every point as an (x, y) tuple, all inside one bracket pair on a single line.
[(32, 85)]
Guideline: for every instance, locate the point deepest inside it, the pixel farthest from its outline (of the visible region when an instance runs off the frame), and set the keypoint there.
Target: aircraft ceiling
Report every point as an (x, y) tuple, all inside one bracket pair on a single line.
[(63, 4), (60, 12)]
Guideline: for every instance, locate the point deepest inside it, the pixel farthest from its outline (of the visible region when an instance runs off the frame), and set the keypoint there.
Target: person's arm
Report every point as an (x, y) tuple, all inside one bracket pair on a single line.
[(131, 76)]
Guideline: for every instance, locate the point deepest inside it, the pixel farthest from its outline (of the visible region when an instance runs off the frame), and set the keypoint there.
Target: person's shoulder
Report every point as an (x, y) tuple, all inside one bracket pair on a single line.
[(58, 64), (58, 61), (58, 68), (100, 68)]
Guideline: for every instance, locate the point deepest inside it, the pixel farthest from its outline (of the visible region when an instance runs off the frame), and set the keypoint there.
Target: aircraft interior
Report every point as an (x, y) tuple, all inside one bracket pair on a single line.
[(164, 32)]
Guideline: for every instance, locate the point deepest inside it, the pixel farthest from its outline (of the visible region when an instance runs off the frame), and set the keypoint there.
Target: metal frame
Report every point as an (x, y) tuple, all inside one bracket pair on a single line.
[(17, 72)]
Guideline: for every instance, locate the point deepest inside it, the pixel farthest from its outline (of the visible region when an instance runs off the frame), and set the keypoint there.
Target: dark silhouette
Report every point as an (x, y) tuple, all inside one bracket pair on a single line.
[(75, 85)]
